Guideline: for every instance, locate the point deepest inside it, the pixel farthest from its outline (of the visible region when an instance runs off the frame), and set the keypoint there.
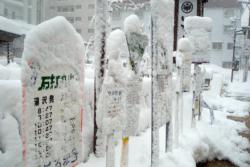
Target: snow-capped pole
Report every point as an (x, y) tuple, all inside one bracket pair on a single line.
[(137, 42), (110, 109), (201, 48)]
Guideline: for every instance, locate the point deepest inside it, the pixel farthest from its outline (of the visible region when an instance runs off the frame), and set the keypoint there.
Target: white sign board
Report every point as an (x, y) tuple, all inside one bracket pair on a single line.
[(132, 107), (52, 80), (112, 105), (186, 8)]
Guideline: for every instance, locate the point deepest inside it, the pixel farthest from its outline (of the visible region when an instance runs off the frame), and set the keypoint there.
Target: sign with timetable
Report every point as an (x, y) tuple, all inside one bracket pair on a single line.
[(112, 106), (52, 84)]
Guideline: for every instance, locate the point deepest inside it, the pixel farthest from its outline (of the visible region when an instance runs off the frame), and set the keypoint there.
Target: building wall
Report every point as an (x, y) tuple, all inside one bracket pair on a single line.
[(24, 10), (222, 34), (118, 17), (78, 12)]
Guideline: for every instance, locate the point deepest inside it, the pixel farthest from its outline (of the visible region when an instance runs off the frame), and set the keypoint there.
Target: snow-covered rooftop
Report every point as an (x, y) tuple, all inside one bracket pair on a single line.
[(14, 26)]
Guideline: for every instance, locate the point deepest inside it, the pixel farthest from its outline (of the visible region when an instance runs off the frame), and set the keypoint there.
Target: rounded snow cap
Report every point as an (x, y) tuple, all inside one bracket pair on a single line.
[(132, 24), (115, 43), (184, 45)]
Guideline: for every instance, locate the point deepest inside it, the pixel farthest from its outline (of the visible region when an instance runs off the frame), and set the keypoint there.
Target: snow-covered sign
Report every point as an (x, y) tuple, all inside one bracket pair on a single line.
[(186, 8), (52, 80), (112, 108), (134, 87), (110, 115), (137, 41)]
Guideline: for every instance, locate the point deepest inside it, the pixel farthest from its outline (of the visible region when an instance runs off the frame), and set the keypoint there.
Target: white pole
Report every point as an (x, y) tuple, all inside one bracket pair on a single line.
[(110, 151)]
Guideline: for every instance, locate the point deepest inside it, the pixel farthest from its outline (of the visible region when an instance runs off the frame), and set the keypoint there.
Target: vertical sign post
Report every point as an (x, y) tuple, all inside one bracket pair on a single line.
[(161, 59), (52, 85)]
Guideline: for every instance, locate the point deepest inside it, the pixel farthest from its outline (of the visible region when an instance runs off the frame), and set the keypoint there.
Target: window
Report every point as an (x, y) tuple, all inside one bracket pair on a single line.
[(70, 19), (78, 6), (230, 46), (91, 6), (13, 15), (78, 19), (91, 30), (65, 8), (217, 45), (6, 13), (79, 31), (89, 18)]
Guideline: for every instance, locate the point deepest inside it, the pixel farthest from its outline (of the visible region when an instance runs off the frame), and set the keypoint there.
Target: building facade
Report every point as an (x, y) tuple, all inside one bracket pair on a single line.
[(226, 16), (25, 10), (120, 10), (78, 12)]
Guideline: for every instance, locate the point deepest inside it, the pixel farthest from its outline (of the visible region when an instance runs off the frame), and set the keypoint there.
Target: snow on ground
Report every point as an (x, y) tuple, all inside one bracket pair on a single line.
[(206, 142), (219, 140)]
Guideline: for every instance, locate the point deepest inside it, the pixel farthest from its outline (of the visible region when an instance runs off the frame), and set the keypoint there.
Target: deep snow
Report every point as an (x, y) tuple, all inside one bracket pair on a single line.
[(220, 140)]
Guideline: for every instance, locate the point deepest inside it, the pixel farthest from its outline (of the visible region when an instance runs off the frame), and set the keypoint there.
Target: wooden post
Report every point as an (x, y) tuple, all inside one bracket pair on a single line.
[(125, 151)]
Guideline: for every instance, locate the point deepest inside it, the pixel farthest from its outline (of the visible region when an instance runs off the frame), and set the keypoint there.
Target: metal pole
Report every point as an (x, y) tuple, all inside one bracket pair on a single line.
[(8, 53), (233, 59), (176, 14)]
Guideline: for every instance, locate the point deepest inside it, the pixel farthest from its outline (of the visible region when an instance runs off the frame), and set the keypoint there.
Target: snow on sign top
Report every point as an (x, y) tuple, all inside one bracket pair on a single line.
[(52, 81), (196, 22), (132, 24), (13, 26)]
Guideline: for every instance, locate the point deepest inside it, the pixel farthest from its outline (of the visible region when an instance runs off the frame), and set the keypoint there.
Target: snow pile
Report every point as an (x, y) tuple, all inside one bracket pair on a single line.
[(14, 26), (197, 31), (238, 89), (10, 141), (10, 114), (10, 72)]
